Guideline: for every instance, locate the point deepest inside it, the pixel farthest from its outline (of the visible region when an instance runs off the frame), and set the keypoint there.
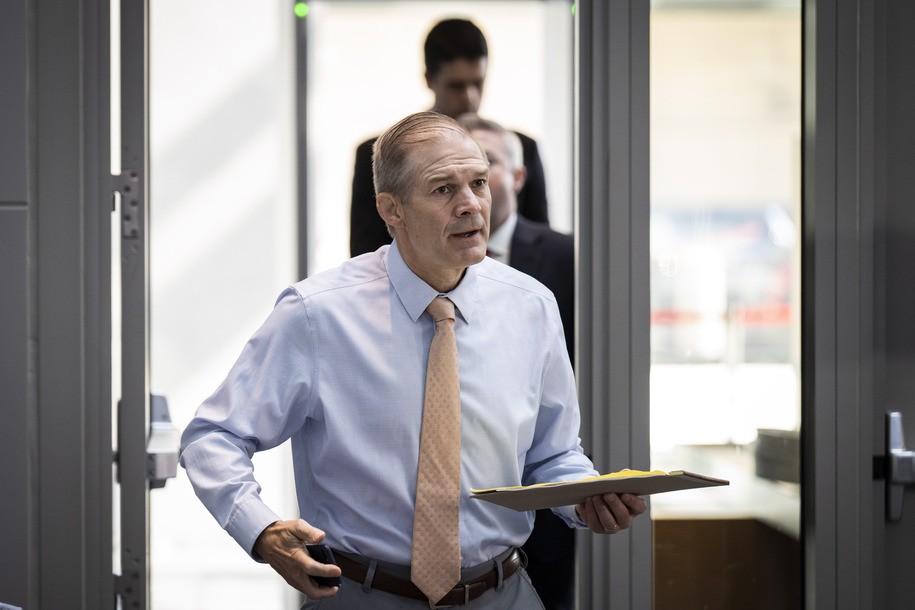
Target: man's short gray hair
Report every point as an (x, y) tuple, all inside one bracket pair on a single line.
[(392, 169)]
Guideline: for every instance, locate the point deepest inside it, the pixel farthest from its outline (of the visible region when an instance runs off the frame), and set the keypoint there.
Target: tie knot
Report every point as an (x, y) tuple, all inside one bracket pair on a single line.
[(441, 308)]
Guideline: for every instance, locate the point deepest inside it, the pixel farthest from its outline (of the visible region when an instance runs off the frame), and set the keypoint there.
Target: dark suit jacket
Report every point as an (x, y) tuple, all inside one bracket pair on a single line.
[(549, 257), (367, 230)]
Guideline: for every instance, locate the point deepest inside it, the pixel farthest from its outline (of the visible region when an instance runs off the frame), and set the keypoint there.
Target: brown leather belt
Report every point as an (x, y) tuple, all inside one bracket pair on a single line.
[(461, 594)]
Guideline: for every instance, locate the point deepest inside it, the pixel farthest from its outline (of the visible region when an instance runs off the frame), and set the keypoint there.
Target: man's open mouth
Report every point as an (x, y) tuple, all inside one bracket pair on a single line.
[(468, 233)]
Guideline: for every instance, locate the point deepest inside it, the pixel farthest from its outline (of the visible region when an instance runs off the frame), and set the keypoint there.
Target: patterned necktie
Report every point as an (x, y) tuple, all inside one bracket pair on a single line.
[(436, 561)]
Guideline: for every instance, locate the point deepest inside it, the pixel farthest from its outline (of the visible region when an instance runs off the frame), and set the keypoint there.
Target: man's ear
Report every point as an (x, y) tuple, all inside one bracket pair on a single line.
[(519, 177), (390, 208)]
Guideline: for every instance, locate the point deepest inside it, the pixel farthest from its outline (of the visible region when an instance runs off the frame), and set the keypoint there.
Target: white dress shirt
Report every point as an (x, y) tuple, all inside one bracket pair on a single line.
[(500, 240)]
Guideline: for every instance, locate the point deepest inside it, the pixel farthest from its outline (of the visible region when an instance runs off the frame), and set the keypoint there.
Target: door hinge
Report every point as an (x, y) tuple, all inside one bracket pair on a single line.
[(127, 183)]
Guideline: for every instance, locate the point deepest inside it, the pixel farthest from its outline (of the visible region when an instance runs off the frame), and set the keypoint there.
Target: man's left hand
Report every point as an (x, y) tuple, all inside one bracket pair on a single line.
[(610, 513)]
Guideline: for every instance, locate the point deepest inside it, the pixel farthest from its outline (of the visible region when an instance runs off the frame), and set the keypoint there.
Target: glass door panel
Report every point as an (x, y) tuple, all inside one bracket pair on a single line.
[(725, 277)]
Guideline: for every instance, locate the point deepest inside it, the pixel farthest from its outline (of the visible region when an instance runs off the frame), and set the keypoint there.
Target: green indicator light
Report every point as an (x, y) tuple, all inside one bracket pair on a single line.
[(573, 9), (301, 10)]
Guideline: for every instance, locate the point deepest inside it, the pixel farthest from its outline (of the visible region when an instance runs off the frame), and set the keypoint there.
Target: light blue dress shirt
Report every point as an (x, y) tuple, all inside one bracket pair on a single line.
[(339, 367)]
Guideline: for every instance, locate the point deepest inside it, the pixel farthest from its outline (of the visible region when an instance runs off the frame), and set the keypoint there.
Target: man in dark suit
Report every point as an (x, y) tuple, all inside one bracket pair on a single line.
[(548, 256), (456, 56)]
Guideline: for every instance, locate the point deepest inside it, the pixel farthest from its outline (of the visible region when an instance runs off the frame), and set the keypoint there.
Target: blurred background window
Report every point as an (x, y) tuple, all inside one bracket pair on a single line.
[(725, 297)]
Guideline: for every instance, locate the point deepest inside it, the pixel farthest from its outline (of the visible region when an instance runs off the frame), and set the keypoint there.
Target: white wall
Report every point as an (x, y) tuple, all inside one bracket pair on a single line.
[(222, 248)]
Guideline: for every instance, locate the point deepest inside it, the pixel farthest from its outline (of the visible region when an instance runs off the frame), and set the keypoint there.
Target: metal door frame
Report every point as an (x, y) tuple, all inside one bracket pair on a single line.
[(612, 256), (132, 185), (839, 437)]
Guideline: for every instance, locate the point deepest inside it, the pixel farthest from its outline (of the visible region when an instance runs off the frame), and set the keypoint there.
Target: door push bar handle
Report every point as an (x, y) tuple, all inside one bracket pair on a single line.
[(900, 466), (162, 446)]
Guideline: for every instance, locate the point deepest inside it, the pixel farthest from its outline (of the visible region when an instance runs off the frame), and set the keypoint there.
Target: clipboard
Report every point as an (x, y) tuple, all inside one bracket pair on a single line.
[(566, 493)]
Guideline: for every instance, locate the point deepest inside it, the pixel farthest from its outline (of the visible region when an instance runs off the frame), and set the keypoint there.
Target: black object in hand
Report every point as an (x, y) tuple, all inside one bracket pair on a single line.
[(323, 554)]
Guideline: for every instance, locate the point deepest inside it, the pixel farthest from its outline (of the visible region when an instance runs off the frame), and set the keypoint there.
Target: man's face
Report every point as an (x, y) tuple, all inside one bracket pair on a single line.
[(502, 175), (444, 226), (458, 86)]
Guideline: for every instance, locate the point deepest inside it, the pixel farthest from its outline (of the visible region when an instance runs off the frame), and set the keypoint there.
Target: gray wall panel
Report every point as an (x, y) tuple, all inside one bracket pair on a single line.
[(13, 108), (59, 288), (55, 420), (14, 383)]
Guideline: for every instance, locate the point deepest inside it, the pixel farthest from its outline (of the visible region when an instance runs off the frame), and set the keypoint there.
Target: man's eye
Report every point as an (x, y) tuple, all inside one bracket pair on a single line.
[(443, 190), (479, 183)]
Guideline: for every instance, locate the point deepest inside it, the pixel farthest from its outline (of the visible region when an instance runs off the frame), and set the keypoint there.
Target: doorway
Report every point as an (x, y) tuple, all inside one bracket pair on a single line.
[(724, 261), (223, 201)]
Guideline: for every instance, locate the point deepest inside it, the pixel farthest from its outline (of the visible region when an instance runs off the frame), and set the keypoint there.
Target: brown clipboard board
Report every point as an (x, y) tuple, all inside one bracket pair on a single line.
[(566, 493)]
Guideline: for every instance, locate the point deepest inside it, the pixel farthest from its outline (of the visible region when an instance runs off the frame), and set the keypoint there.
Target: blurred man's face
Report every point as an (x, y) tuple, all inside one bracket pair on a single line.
[(458, 86), (503, 175)]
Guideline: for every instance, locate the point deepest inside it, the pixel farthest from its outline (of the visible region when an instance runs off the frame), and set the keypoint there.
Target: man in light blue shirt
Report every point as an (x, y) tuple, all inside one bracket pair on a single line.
[(339, 367)]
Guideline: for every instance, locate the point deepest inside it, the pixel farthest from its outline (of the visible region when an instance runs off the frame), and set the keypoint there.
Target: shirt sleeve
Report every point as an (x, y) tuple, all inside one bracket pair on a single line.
[(556, 453), (262, 402)]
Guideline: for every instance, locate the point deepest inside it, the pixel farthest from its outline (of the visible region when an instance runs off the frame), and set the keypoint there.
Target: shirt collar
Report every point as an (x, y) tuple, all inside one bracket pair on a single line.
[(416, 294), (500, 240)]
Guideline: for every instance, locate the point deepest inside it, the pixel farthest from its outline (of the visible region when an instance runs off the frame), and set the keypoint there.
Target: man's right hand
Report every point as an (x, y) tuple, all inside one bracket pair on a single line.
[(282, 545)]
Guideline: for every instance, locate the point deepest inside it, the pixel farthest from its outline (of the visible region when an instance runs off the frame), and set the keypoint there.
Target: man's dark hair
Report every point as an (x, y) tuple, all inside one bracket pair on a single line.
[(452, 39)]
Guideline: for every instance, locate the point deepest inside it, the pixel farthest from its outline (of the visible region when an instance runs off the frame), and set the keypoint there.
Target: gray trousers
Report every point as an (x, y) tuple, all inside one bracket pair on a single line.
[(515, 593)]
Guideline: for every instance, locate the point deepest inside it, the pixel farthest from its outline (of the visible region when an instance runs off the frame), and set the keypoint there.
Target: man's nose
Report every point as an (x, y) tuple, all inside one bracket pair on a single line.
[(468, 202), (472, 97)]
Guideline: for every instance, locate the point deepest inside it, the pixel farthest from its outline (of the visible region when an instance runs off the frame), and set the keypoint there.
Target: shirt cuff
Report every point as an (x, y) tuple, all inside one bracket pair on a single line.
[(570, 516), (248, 521)]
